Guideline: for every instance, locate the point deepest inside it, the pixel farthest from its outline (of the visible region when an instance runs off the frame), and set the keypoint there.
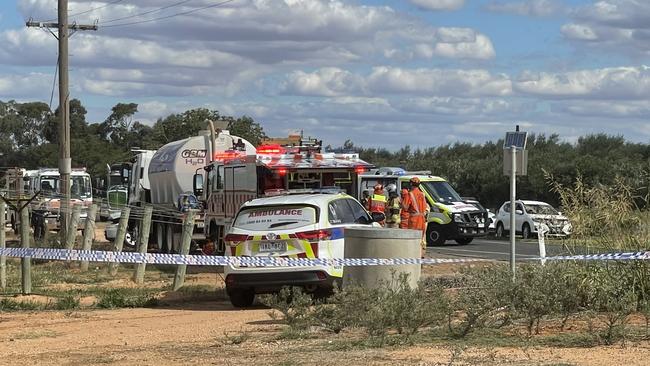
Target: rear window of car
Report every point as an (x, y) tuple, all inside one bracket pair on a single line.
[(284, 217)]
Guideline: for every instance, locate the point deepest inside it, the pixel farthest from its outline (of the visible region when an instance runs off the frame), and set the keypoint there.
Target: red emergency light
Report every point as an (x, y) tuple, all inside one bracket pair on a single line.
[(226, 155), (282, 171), (271, 149), (359, 170)]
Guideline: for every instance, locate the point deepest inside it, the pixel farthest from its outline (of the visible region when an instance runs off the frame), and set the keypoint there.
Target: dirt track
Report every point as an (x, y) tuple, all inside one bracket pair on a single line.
[(204, 333)]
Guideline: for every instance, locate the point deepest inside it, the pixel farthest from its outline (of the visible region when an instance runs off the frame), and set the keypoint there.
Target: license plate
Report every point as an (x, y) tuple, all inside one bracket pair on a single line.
[(273, 246)]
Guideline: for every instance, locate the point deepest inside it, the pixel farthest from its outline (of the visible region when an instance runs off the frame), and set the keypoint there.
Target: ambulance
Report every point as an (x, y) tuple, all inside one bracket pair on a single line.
[(450, 217), (291, 225)]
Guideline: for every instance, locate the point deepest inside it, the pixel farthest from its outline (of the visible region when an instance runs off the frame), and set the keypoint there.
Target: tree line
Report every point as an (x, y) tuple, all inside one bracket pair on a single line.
[(29, 134), (29, 139), (476, 170)]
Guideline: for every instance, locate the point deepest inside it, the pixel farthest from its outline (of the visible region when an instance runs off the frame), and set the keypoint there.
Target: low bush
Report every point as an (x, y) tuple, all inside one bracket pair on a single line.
[(124, 298)]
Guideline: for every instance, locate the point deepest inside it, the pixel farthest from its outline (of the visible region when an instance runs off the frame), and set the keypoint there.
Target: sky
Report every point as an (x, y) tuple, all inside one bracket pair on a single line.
[(380, 73)]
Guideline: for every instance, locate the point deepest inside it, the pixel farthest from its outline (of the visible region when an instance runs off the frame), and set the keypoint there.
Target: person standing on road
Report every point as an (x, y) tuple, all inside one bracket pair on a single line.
[(404, 214), (418, 209), (377, 202), (393, 208)]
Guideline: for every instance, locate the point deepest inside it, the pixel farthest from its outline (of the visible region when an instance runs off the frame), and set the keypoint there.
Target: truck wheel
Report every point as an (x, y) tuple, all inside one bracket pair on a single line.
[(525, 231), (131, 237), (241, 298), (169, 238), (435, 234), (499, 232), (159, 230)]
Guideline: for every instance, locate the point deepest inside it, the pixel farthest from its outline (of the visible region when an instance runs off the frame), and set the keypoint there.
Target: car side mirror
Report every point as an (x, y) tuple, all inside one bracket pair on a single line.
[(197, 185), (519, 212), (378, 216)]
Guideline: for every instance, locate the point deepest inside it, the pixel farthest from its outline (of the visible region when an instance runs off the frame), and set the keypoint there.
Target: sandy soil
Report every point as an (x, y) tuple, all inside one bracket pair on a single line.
[(206, 333)]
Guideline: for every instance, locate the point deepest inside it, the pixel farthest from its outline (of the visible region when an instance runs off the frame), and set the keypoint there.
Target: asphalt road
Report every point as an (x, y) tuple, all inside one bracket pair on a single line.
[(495, 249)]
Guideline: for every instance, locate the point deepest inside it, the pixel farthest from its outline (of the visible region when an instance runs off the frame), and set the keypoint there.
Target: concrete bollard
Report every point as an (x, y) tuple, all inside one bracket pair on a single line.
[(381, 243)]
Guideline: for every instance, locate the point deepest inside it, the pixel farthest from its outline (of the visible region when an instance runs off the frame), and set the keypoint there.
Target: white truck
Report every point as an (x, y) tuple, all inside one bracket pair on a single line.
[(46, 215), (270, 170)]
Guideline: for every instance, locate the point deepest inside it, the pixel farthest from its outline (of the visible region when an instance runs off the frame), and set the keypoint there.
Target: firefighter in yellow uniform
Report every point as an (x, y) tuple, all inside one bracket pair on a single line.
[(393, 208), (377, 202)]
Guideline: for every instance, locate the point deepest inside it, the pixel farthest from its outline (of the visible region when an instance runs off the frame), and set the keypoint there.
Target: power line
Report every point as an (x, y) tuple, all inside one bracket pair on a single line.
[(89, 10), (170, 16), (147, 12)]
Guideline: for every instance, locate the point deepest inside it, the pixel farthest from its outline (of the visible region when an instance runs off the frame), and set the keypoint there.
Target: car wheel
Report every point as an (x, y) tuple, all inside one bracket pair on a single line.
[(499, 232), (131, 238), (241, 298), (435, 235), (464, 241), (525, 231)]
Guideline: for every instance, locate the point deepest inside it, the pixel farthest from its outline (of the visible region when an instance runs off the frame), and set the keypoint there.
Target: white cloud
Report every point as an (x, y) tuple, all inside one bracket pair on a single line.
[(612, 24), (535, 8), (438, 82), (439, 4), (608, 83), (328, 82), (25, 85), (579, 32)]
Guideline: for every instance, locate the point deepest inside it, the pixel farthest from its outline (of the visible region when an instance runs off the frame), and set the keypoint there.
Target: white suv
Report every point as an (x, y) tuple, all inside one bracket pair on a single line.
[(290, 226), (529, 216)]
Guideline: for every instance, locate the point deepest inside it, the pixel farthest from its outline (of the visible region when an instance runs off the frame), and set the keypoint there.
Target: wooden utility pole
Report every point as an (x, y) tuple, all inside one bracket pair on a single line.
[(65, 162), (3, 258)]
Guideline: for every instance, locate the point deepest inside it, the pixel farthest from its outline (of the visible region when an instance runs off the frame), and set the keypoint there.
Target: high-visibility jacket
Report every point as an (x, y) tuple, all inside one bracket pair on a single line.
[(417, 209), (377, 203), (393, 209), (404, 214)]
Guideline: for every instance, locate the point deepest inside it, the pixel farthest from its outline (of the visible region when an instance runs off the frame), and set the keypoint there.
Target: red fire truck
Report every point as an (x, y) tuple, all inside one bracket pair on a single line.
[(234, 178)]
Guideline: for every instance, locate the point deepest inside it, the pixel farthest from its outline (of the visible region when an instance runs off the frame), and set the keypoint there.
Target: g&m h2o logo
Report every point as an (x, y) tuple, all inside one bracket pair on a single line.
[(194, 156)]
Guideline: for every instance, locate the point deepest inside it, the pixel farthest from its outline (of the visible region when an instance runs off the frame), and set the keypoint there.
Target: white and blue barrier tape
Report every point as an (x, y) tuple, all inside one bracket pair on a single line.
[(267, 261)]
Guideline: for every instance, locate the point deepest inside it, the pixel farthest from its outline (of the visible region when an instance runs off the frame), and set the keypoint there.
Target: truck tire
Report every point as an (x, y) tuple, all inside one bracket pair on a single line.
[(169, 238), (241, 298), (159, 230), (435, 234)]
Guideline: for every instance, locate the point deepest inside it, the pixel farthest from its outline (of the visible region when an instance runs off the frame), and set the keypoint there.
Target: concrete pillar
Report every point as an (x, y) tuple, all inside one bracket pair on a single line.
[(381, 243)]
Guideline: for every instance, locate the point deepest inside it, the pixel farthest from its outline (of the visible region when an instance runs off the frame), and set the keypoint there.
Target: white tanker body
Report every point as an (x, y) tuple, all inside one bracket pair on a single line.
[(171, 173)]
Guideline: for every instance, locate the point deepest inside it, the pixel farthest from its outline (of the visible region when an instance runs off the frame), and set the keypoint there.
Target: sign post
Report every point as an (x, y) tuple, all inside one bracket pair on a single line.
[(515, 162)]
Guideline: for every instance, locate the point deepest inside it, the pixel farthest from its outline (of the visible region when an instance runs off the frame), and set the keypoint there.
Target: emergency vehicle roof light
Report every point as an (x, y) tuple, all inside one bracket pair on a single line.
[(271, 149)]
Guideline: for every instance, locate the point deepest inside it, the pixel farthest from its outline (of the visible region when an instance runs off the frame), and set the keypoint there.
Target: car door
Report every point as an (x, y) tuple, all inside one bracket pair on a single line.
[(504, 215), (520, 216)]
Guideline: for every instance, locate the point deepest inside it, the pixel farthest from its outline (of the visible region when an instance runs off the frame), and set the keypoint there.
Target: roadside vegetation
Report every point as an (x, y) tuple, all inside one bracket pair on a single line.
[(62, 286), (559, 304)]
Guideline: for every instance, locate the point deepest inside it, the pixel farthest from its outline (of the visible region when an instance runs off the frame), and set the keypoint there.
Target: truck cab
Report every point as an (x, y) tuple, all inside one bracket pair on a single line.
[(450, 217)]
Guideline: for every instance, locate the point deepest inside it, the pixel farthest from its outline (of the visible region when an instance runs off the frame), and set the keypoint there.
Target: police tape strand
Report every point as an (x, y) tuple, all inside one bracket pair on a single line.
[(270, 261)]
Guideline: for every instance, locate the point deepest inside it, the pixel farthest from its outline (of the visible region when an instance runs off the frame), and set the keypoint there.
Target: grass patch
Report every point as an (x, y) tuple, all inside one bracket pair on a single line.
[(35, 334), (13, 305), (125, 298)]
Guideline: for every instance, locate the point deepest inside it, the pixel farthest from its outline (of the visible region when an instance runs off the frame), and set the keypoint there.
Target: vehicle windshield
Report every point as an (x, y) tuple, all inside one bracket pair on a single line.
[(541, 210), (79, 186), (284, 217), (441, 191)]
